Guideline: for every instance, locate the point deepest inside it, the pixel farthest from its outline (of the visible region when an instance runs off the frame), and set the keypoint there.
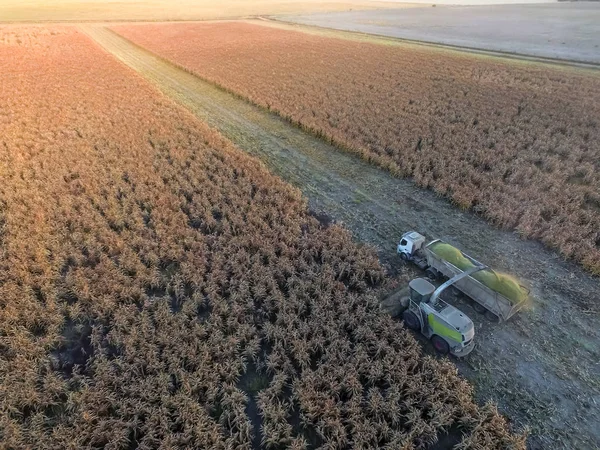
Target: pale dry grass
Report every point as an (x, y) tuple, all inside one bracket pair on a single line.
[(111, 10)]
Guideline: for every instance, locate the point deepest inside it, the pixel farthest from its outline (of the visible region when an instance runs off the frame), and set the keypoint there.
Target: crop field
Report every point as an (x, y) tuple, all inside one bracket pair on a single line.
[(513, 141), (160, 288), (513, 363)]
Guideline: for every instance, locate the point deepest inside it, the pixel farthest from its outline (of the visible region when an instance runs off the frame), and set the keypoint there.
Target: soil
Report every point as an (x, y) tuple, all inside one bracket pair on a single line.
[(569, 30), (541, 367)]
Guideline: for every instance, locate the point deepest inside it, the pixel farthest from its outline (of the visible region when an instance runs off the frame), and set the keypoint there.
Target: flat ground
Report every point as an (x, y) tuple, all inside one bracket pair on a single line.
[(541, 367), (94, 10), (569, 31)]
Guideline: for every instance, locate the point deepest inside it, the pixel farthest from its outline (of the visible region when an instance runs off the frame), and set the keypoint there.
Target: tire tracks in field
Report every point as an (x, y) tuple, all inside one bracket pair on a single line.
[(541, 367)]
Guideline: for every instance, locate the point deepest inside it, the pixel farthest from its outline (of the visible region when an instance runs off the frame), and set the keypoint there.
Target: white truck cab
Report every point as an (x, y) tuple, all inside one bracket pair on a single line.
[(410, 243)]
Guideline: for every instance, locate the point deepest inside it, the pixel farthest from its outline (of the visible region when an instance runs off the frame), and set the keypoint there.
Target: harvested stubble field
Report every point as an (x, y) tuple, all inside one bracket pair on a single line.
[(159, 288), (120, 10), (516, 142)]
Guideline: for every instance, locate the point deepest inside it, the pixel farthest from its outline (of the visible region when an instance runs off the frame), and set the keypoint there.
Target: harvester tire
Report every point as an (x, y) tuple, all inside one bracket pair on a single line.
[(440, 345), (411, 321)]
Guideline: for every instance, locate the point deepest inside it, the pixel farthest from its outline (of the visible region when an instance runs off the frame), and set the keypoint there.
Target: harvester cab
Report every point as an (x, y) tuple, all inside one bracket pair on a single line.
[(450, 330)]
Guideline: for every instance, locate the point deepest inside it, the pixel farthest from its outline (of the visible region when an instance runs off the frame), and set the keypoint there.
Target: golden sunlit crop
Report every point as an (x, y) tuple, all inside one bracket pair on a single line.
[(161, 289)]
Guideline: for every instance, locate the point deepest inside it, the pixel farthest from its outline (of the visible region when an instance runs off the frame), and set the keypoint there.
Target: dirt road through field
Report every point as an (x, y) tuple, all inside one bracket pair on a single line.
[(542, 367)]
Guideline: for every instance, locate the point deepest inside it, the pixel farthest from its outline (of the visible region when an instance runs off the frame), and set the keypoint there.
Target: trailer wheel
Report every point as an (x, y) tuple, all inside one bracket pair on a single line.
[(440, 345), (432, 273), (492, 317), (411, 321), (455, 293), (479, 308)]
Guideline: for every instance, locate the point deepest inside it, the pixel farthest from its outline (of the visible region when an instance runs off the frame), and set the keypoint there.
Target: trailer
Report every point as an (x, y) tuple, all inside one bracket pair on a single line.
[(497, 307)]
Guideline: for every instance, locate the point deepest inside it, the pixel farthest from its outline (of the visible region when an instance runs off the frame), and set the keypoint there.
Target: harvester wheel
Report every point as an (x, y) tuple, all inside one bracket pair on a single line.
[(411, 321), (479, 308), (440, 345)]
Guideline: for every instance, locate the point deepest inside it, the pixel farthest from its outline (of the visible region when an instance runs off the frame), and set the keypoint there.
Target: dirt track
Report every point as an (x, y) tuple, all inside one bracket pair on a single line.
[(542, 367)]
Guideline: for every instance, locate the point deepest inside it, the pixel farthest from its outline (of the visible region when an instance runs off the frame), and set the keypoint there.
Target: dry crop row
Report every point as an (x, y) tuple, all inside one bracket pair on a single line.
[(517, 143), (160, 289)]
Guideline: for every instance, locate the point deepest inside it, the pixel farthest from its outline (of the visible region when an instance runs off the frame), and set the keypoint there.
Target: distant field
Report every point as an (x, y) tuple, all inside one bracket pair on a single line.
[(95, 10), (568, 30), (516, 142)]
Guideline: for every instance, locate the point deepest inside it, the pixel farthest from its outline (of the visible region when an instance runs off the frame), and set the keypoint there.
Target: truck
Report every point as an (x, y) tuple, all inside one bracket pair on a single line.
[(496, 306)]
